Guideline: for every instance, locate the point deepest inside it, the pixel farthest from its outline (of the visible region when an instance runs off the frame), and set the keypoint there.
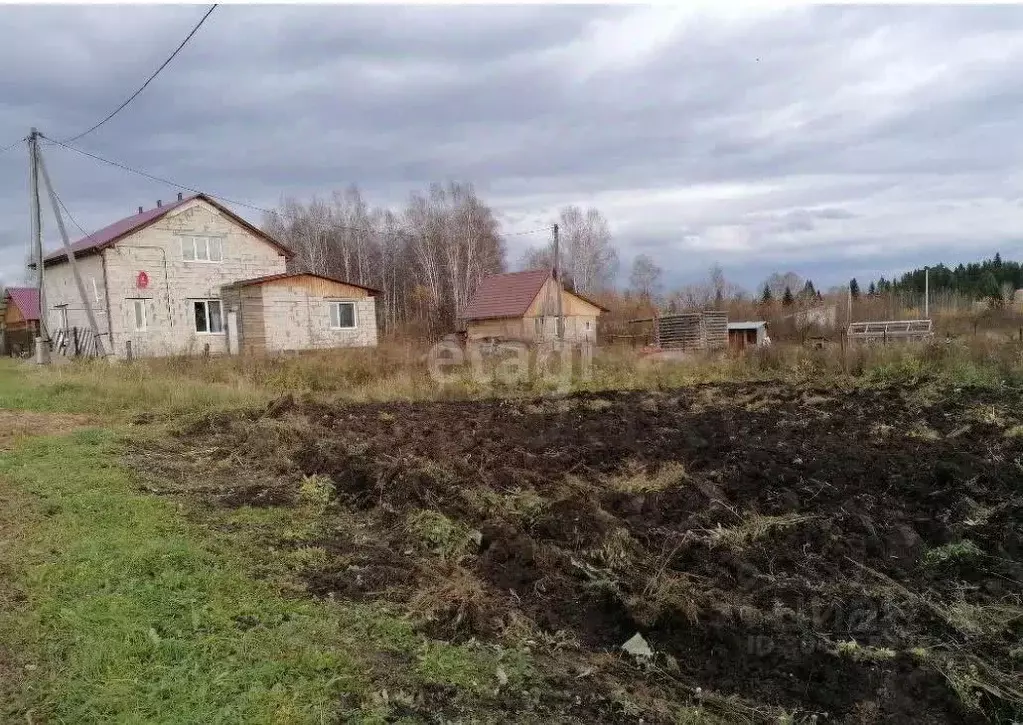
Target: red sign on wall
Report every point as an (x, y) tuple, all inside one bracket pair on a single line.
[(142, 281)]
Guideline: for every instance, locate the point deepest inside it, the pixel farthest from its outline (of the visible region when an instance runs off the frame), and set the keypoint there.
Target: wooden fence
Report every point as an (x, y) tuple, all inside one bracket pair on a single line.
[(76, 342)]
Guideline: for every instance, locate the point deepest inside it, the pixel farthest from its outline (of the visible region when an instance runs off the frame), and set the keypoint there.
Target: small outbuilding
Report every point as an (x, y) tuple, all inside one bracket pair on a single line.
[(20, 322), (524, 306), (747, 334), (303, 311)]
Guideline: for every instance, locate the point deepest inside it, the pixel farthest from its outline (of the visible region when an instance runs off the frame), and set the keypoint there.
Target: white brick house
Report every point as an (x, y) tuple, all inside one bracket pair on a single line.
[(191, 276)]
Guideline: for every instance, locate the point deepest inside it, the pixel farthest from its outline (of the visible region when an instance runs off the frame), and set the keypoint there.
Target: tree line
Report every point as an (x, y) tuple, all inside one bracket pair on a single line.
[(992, 279), (429, 257)]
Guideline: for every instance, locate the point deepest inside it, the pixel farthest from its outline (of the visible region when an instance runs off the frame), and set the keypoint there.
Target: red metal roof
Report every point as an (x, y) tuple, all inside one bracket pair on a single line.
[(506, 295), (26, 299), (289, 275), (109, 235)]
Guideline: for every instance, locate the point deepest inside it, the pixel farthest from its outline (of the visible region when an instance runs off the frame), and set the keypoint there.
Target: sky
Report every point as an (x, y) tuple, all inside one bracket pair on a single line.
[(833, 142)]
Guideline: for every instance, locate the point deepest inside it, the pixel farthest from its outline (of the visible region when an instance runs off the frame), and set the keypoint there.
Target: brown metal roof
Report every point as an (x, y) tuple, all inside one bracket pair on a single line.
[(26, 299), (290, 275), (506, 295), (510, 294), (110, 235)]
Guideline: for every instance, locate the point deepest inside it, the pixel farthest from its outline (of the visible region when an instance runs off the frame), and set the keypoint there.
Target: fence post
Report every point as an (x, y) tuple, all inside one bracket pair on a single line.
[(127, 350), (74, 335)]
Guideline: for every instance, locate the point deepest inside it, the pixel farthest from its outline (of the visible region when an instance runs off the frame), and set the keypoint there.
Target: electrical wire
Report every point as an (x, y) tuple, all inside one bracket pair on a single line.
[(146, 175), (528, 231), (68, 213), (125, 167), (11, 146), (149, 80)]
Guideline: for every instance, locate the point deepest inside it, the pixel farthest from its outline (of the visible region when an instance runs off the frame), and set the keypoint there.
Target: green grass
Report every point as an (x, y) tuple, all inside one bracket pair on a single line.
[(130, 613)]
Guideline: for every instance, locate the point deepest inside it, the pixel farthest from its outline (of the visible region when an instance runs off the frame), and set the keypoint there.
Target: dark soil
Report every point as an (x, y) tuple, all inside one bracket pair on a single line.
[(852, 555)]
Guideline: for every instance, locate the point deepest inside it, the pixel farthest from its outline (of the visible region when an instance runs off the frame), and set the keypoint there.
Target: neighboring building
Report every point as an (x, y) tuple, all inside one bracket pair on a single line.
[(300, 312), (747, 334), (823, 316), (158, 282), (20, 323), (524, 306)]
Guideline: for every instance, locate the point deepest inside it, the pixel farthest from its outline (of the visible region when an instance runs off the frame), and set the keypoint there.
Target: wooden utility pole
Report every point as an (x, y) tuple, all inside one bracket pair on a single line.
[(35, 213), (557, 278), (41, 165)]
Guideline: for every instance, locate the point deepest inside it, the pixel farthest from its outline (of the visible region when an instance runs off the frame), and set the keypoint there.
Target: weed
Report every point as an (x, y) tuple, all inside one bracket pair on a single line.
[(641, 482), (316, 490), (959, 552), (442, 536)]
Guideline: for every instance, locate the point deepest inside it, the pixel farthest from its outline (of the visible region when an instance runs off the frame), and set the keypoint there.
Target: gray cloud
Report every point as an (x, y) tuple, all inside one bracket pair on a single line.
[(838, 140)]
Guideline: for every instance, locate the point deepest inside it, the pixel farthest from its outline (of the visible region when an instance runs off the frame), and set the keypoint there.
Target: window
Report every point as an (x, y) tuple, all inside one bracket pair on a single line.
[(208, 316), (141, 317), (202, 249), (342, 315)]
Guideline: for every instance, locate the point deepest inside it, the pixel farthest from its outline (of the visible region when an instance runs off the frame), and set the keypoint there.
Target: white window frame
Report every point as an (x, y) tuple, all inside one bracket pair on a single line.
[(190, 248), (139, 303), (336, 304), (64, 324), (206, 308)]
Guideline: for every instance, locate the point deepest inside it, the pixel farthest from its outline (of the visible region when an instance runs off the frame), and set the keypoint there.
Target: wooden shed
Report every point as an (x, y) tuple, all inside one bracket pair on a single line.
[(20, 321), (747, 334), (298, 312), (524, 306)]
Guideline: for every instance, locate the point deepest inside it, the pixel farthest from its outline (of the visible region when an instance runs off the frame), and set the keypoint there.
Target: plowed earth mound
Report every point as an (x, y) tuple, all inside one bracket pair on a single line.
[(851, 555)]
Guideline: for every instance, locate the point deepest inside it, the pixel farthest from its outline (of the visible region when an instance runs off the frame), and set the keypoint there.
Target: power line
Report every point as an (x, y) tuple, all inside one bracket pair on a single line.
[(528, 231), (68, 213), (152, 177), (150, 79), (11, 146), (161, 180)]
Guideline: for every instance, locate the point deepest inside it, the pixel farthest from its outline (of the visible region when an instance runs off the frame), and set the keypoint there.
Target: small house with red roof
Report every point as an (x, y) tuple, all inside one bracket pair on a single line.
[(524, 306), (191, 277)]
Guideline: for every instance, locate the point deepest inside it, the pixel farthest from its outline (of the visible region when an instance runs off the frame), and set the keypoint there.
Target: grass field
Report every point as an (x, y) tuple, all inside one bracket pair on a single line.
[(182, 544)]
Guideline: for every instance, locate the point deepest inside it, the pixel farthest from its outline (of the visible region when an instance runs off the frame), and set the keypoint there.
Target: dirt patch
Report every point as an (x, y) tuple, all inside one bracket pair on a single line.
[(15, 424), (797, 551)]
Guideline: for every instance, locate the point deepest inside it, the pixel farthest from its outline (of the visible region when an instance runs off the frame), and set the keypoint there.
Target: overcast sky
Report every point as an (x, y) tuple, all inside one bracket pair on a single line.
[(828, 141)]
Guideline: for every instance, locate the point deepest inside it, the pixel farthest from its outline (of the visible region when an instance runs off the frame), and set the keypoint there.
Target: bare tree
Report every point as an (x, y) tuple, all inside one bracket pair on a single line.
[(428, 259), (645, 279), (589, 260), (778, 282)]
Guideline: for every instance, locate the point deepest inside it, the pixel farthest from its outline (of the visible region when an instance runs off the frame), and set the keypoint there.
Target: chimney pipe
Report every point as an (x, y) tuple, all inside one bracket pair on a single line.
[(140, 210), (159, 203), (180, 196)]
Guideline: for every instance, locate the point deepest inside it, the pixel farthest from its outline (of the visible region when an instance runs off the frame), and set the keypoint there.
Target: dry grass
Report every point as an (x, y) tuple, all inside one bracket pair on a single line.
[(396, 370), (752, 528), (641, 482)]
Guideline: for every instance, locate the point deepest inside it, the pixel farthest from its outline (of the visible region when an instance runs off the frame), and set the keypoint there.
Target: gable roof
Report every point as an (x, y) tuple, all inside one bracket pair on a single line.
[(111, 234), (506, 295), (26, 299), (289, 275), (511, 294)]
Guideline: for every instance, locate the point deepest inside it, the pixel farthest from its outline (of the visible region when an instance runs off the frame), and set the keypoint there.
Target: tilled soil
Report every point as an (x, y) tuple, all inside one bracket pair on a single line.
[(850, 555)]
